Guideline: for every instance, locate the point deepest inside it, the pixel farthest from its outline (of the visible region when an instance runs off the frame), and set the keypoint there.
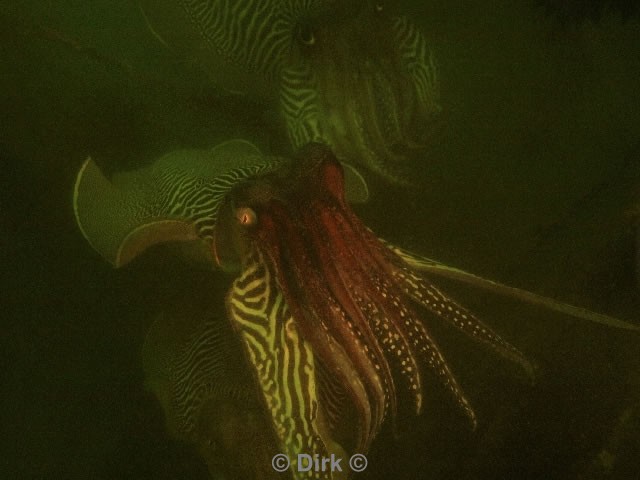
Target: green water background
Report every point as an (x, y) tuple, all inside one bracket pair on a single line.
[(538, 114)]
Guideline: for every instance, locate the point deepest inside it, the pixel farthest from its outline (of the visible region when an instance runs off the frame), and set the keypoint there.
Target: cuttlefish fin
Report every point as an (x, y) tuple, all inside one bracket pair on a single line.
[(235, 153), (434, 267), (176, 198), (191, 358), (355, 186), (152, 30), (158, 357), (116, 222), (186, 28)]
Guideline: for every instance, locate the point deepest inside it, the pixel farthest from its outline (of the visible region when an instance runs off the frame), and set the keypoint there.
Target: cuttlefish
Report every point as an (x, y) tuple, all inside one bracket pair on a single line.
[(329, 316), (194, 365), (351, 74)]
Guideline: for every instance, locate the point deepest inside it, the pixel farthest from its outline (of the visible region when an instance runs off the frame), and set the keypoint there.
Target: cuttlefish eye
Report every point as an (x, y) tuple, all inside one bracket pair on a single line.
[(246, 216), (305, 34)]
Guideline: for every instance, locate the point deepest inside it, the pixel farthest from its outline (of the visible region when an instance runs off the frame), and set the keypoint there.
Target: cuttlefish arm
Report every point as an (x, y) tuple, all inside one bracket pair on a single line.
[(284, 366), (437, 268), (193, 363)]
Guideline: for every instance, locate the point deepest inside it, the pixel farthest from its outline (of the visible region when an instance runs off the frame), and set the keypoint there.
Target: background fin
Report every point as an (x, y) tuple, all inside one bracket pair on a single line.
[(158, 355), (179, 25), (191, 357), (355, 186), (116, 221)]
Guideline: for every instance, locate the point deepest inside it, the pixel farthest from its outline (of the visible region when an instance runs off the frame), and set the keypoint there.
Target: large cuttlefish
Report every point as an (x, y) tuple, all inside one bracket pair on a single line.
[(329, 315), (351, 74)]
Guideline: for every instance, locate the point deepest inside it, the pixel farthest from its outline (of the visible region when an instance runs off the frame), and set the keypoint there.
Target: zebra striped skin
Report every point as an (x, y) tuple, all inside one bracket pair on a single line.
[(255, 34), (340, 73), (181, 194), (194, 364), (419, 62), (299, 104), (200, 371), (284, 362), (175, 198)]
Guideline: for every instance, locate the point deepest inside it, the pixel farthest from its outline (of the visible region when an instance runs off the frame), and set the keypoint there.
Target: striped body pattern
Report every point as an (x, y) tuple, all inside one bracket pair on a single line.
[(185, 195), (299, 104), (283, 360), (199, 372), (419, 61), (348, 74), (255, 34), (175, 198)]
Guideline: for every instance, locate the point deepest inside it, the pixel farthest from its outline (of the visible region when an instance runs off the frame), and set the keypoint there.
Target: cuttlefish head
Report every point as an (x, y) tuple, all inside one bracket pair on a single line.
[(351, 74), (363, 81)]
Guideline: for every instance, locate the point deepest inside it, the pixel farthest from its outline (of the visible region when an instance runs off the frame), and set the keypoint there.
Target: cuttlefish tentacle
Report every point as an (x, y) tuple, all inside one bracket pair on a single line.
[(360, 281), (444, 307), (383, 301), (349, 288), (302, 281), (434, 267)]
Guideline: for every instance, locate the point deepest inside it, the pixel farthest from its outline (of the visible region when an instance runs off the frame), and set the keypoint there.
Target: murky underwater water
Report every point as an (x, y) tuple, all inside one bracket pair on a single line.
[(538, 117)]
